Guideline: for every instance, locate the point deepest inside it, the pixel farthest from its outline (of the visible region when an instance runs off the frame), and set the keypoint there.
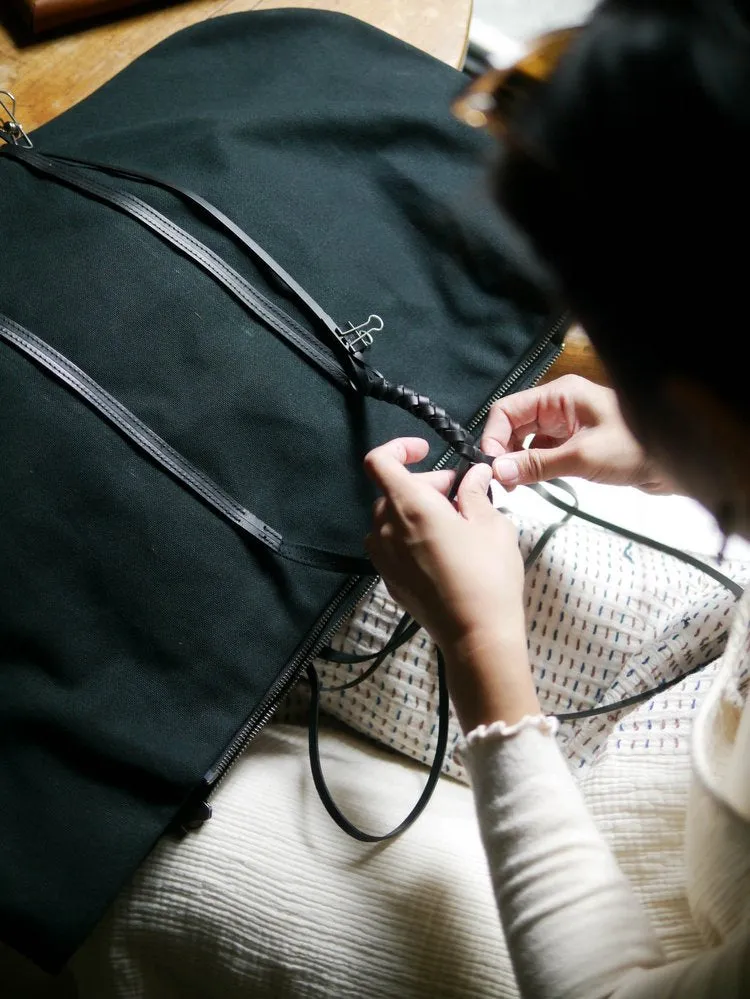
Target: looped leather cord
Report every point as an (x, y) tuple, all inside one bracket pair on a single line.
[(317, 772), (641, 539), (726, 581), (407, 627), (572, 511), (403, 632)]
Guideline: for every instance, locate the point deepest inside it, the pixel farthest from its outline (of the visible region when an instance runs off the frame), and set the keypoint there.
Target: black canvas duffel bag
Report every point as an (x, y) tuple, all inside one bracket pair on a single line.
[(184, 419)]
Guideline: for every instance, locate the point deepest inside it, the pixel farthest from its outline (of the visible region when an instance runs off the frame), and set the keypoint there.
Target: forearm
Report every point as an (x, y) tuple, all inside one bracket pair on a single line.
[(573, 925)]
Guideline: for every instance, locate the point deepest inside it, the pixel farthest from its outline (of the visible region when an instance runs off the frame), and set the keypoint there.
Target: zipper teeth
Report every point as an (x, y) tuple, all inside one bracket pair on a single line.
[(329, 623), (513, 377), (326, 628), (543, 370)]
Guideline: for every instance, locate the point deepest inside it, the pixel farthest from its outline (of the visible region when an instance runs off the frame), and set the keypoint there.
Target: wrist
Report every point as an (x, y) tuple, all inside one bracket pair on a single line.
[(489, 678)]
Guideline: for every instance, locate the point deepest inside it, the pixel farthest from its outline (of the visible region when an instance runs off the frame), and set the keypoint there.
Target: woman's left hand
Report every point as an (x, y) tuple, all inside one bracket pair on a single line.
[(458, 571)]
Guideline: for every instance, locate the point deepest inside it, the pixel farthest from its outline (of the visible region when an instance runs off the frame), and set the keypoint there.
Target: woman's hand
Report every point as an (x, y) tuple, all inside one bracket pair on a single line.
[(458, 571), (578, 430)]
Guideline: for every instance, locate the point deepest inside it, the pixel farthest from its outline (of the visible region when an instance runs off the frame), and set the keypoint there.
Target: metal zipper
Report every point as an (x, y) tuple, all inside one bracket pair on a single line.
[(505, 386), (197, 810)]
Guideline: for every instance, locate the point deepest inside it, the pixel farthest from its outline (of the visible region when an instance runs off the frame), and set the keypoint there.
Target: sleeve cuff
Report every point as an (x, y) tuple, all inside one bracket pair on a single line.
[(546, 724)]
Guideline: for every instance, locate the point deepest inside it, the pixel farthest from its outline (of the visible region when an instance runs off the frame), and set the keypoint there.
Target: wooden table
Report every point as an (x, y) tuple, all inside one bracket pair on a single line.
[(49, 75)]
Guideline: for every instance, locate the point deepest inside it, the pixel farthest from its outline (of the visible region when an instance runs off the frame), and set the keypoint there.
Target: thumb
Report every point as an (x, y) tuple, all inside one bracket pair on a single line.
[(536, 465), (472, 500)]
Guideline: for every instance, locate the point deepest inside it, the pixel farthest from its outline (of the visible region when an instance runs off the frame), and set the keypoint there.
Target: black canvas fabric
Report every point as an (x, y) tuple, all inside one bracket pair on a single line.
[(138, 631)]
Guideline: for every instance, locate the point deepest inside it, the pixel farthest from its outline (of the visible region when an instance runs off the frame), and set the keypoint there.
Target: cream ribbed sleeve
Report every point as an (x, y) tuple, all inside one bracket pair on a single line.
[(572, 922)]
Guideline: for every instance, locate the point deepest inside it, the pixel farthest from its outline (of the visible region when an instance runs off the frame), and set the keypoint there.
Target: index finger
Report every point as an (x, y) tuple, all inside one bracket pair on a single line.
[(386, 464), (511, 420)]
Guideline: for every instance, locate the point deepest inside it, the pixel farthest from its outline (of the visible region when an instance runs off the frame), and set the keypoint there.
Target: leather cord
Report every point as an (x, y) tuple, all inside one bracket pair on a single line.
[(317, 771), (223, 221), (407, 627), (641, 539), (267, 311)]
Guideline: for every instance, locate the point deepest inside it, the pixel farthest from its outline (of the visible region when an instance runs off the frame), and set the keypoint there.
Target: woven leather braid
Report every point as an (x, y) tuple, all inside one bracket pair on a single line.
[(372, 383)]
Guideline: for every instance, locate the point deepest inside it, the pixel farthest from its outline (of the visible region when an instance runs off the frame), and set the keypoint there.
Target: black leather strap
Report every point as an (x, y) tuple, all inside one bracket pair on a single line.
[(317, 771), (405, 628), (403, 632), (641, 539), (726, 581), (533, 556), (308, 303), (267, 311), (171, 460), (351, 369)]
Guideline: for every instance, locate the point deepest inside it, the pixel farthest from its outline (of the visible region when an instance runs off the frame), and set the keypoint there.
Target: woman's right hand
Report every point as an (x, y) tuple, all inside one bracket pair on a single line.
[(578, 429)]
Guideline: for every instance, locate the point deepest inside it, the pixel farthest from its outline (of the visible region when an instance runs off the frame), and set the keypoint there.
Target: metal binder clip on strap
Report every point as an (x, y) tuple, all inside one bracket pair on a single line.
[(11, 130), (360, 337)]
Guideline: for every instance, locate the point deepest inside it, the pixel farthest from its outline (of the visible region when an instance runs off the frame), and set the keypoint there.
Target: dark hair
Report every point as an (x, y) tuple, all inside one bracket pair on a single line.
[(634, 186)]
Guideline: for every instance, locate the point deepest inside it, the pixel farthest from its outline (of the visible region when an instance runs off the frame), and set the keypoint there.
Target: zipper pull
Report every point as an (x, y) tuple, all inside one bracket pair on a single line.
[(11, 130), (193, 814)]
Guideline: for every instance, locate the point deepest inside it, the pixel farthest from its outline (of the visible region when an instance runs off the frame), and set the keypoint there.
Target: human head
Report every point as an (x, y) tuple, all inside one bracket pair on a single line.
[(630, 172)]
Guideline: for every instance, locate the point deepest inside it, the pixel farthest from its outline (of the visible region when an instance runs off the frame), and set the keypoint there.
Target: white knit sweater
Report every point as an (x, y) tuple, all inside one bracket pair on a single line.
[(573, 923)]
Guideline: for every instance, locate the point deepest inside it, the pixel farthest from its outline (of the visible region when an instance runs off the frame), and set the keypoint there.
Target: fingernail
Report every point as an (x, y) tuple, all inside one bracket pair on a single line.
[(506, 470)]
